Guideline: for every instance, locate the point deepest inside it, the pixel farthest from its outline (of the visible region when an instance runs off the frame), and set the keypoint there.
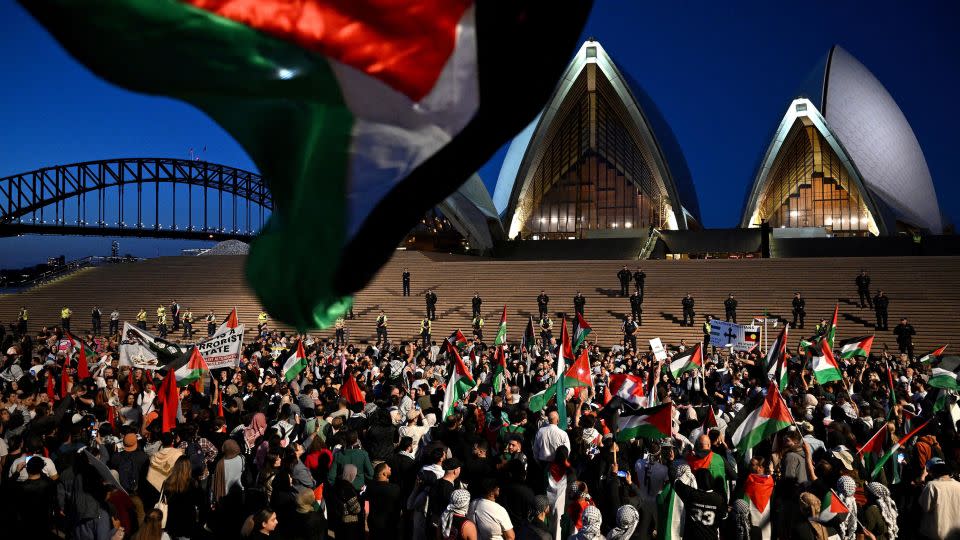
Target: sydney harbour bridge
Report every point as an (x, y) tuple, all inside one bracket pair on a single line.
[(138, 197)]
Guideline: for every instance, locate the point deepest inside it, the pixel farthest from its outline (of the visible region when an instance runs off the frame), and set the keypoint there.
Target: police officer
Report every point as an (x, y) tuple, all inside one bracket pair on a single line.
[(175, 315), (799, 309), (425, 327), (340, 332), (115, 321), (162, 322), (730, 308), (707, 328), (211, 323), (406, 282), (546, 330), (579, 302), (636, 307), (863, 289), (630, 333), (381, 328), (65, 314), (624, 276), (22, 318), (881, 303), (95, 320), (431, 299), (687, 303), (905, 332), (542, 302), (142, 319), (477, 324), (261, 321), (187, 323), (639, 278), (477, 302)]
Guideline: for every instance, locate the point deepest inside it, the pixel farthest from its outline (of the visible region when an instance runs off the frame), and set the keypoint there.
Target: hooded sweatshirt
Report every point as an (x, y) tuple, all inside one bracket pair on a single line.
[(161, 464)]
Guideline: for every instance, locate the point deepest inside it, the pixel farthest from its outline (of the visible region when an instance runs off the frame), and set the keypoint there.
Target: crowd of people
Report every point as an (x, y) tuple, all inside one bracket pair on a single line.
[(258, 453)]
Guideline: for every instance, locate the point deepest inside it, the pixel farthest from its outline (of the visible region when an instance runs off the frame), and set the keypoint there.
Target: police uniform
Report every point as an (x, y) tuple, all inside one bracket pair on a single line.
[(881, 303), (340, 332), (688, 315), (261, 321), (381, 328), (142, 319), (477, 302), (799, 310), (730, 309), (162, 322), (114, 322), (425, 326), (175, 315), (624, 276), (431, 299), (636, 307), (95, 320), (22, 318), (187, 324), (546, 330), (863, 289), (630, 334), (639, 277), (478, 327), (406, 283), (543, 301), (65, 314), (579, 301), (211, 324)]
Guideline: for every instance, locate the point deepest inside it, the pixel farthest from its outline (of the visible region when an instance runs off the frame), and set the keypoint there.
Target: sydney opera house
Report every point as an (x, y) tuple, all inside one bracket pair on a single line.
[(601, 162)]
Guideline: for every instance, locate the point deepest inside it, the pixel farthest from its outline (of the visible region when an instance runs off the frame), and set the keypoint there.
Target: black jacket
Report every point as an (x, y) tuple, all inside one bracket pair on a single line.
[(799, 304), (624, 276), (730, 304), (543, 300), (863, 283), (687, 302)]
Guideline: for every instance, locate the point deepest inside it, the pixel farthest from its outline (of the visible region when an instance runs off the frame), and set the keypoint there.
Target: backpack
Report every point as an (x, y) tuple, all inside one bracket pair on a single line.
[(195, 454)]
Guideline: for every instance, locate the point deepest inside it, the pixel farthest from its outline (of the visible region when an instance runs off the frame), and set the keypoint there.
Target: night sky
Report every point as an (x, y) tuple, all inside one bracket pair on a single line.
[(722, 74)]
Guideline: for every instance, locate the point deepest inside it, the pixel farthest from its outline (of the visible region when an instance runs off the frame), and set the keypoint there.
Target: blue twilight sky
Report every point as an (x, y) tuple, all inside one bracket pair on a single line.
[(722, 74)]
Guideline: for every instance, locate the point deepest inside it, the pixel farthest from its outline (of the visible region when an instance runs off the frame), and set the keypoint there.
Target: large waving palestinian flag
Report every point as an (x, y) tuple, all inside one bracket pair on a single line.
[(761, 420), (686, 361), (823, 364), (459, 384), (652, 423), (757, 493), (858, 346), (361, 115), (777, 360)]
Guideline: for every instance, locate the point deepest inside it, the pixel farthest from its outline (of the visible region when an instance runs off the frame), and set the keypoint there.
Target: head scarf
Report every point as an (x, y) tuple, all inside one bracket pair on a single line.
[(627, 519), (810, 504), (219, 485), (349, 472), (592, 519), (459, 501), (741, 519), (256, 428), (846, 487), (888, 508), (540, 504), (682, 472)]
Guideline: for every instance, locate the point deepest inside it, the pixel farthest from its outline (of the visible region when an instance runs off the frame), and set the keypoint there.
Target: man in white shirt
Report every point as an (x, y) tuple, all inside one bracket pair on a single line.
[(414, 429), (491, 519), (549, 438), (18, 469)]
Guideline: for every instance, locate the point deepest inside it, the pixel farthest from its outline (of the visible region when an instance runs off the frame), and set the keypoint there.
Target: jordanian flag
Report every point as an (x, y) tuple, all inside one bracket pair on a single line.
[(653, 423), (629, 388), (941, 378), (892, 451), (459, 384), (933, 355), (824, 365), (581, 329), (762, 420), (831, 506), (361, 115), (872, 451), (757, 493), (860, 346), (501, 338), (295, 363), (777, 360), (686, 361), (192, 371), (499, 369)]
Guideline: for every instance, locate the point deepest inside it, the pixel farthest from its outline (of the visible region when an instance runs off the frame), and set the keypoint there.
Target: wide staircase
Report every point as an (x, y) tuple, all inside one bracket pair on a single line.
[(924, 289)]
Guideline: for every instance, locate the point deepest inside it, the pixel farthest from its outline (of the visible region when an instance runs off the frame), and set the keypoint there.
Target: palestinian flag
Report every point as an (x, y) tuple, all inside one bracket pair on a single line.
[(714, 465), (193, 371), (232, 321), (757, 493), (832, 506), (941, 378), (65, 377), (557, 487), (709, 421), (872, 451), (762, 420), (558, 389), (686, 361), (860, 346), (459, 384), (499, 369), (824, 365), (831, 332), (529, 337), (83, 369), (581, 329), (777, 360), (654, 376), (457, 340), (579, 373), (933, 355), (652, 423), (358, 114), (946, 401), (891, 390), (501, 338), (892, 451), (295, 363), (350, 390), (629, 388), (673, 513)]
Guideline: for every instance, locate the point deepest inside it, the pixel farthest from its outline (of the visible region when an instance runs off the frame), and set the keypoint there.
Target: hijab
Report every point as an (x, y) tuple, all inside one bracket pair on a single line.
[(459, 502), (218, 488), (349, 473), (627, 519), (256, 428)]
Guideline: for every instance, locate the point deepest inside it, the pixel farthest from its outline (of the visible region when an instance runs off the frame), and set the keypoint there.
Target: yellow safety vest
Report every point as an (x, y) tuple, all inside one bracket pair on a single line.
[(160, 311), (65, 313), (23, 314), (340, 322), (142, 316), (162, 318), (188, 316), (425, 325), (262, 317)]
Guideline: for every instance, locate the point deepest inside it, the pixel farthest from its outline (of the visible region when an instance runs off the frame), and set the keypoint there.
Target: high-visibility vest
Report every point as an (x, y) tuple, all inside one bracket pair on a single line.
[(65, 313), (425, 325), (262, 317), (142, 316), (23, 314), (162, 318), (160, 311)]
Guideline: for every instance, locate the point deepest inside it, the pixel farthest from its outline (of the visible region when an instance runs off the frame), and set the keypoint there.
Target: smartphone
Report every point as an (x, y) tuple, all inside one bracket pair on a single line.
[(93, 434), (901, 457), (622, 474)]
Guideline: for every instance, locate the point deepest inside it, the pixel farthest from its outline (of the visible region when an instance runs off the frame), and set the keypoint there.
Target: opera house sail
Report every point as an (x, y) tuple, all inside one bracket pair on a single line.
[(845, 160), (599, 162)]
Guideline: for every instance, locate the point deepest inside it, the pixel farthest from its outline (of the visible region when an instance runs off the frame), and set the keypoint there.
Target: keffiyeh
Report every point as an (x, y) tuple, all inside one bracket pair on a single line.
[(592, 519), (459, 502), (888, 508), (627, 519), (741, 519), (846, 487)]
